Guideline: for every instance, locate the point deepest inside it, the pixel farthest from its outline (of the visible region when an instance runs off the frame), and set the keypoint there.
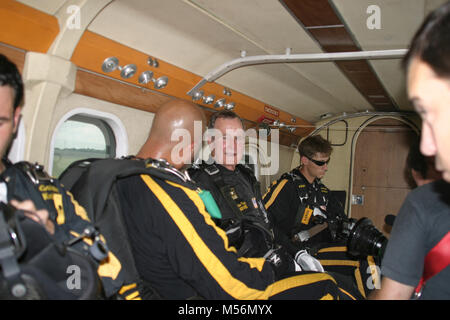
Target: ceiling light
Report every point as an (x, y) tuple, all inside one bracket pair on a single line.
[(152, 62), (128, 71), (198, 95), (230, 106), (161, 82), (110, 64), (146, 77), (209, 99), (219, 103)]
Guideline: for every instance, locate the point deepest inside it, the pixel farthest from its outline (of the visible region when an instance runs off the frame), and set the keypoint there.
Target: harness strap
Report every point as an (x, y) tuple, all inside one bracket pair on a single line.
[(436, 260), (225, 190), (246, 215)]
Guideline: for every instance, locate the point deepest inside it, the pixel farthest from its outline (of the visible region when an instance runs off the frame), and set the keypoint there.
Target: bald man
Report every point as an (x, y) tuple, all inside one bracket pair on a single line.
[(176, 116), (178, 250)]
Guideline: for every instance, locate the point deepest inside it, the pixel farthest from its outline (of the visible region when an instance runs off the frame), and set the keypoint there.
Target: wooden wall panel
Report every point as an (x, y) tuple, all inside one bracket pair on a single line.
[(111, 90), (15, 55), (24, 27)]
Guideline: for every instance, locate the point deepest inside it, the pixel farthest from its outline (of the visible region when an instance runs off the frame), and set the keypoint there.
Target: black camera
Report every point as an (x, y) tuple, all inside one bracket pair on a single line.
[(361, 236)]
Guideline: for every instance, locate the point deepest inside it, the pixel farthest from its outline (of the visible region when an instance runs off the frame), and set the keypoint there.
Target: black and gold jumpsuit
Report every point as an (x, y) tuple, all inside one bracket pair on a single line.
[(180, 251)]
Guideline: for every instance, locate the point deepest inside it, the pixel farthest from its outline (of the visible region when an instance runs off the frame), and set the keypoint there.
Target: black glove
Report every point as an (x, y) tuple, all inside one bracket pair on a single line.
[(282, 263)]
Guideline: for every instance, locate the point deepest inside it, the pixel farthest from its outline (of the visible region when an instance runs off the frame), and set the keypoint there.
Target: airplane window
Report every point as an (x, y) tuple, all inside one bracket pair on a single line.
[(81, 137)]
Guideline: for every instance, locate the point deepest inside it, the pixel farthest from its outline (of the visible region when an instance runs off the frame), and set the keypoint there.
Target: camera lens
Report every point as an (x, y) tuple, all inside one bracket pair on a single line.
[(365, 239)]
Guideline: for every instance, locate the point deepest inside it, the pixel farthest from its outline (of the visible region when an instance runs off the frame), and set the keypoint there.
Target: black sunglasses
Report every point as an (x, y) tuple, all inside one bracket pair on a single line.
[(319, 163)]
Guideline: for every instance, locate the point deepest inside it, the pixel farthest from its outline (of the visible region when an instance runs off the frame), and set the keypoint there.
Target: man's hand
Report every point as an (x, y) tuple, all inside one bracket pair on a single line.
[(40, 216)]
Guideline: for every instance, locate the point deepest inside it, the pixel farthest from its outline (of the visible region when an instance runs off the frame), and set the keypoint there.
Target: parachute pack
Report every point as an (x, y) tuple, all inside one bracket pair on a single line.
[(93, 183)]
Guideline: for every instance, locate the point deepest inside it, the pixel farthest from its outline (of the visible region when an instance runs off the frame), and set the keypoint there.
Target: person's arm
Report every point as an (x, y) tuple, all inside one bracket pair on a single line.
[(282, 203), (392, 290), (403, 260)]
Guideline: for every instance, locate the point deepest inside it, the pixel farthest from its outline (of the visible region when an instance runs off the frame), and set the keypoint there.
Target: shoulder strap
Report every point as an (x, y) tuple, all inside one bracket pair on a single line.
[(234, 200), (436, 260), (97, 176), (256, 189), (35, 172), (230, 195), (73, 172), (248, 172), (214, 172)]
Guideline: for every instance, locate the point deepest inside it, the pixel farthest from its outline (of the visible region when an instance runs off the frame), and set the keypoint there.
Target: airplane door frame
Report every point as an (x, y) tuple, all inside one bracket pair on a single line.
[(355, 137)]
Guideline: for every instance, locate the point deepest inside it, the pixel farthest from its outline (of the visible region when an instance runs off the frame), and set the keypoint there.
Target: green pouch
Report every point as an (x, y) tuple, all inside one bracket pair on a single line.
[(210, 203)]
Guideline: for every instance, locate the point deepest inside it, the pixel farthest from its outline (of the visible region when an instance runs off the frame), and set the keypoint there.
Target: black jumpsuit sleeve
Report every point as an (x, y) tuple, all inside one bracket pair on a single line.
[(282, 203)]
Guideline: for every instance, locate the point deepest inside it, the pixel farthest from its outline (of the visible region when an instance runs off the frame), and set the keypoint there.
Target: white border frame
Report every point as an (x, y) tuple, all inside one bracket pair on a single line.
[(119, 131)]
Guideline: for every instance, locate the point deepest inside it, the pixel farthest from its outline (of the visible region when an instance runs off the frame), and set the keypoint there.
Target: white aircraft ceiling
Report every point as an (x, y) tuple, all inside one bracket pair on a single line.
[(200, 35)]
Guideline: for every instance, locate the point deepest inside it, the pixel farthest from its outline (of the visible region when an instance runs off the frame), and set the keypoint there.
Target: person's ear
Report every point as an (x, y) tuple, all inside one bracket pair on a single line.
[(303, 160), (417, 176), (210, 135)]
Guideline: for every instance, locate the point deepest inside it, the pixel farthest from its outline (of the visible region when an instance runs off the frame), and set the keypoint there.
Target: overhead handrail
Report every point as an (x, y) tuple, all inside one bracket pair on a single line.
[(295, 58)]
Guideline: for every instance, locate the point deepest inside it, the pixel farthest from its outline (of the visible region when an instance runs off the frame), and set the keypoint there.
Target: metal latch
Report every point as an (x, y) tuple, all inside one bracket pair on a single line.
[(358, 199)]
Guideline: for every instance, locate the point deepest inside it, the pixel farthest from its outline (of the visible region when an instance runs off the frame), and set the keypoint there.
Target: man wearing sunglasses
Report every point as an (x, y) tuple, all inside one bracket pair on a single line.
[(298, 201), (299, 206)]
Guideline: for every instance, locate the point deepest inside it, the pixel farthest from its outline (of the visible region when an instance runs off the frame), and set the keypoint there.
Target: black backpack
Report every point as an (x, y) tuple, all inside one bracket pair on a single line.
[(35, 264), (92, 182)]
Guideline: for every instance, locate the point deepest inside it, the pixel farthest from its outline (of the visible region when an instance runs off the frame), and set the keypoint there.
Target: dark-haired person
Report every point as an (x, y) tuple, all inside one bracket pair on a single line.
[(421, 230), (46, 202), (419, 168), (298, 200), (300, 205)]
